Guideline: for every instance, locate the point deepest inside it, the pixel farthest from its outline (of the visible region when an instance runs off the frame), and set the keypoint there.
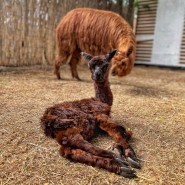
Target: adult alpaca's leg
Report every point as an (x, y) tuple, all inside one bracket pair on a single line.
[(73, 64), (60, 59), (120, 136), (111, 165)]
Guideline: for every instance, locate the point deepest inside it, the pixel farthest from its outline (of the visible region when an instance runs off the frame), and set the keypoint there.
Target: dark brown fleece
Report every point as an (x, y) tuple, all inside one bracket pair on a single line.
[(72, 124)]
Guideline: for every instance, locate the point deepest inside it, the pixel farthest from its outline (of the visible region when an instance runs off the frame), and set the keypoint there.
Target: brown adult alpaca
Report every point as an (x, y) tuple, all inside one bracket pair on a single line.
[(72, 124), (94, 31)]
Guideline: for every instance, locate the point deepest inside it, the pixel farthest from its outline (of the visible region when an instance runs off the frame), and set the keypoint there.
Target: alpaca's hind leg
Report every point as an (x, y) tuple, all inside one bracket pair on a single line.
[(60, 59), (73, 64), (112, 165), (119, 134)]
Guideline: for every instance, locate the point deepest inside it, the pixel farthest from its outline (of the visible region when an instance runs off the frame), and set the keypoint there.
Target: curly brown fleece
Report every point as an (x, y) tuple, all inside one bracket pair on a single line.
[(73, 123)]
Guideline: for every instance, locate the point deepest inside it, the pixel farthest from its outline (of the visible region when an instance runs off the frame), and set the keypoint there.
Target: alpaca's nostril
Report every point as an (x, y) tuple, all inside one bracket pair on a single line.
[(97, 75)]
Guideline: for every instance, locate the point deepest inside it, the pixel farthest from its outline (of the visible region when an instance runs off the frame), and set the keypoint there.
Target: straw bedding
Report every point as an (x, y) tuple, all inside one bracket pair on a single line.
[(150, 101)]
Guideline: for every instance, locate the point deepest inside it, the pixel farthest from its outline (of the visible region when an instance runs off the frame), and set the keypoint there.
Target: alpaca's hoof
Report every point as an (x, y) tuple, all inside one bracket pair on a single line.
[(121, 161), (57, 73), (77, 78), (131, 158), (125, 169), (127, 172), (129, 154), (134, 162), (58, 77)]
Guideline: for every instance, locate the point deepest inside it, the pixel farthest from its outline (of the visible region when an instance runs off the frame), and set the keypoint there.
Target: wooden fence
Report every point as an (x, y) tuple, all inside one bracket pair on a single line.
[(27, 28)]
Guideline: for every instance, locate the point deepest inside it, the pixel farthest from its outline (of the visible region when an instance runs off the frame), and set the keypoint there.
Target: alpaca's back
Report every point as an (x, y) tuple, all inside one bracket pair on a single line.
[(93, 31), (78, 114)]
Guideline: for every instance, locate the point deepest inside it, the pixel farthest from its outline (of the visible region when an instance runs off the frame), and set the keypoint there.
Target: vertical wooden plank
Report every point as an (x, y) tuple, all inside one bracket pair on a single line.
[(27, 28)]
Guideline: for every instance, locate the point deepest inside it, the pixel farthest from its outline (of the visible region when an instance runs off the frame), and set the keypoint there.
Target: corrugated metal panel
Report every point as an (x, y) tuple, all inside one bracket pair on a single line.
[(146, 17), (144, 50), (145, 27), (182, 50)]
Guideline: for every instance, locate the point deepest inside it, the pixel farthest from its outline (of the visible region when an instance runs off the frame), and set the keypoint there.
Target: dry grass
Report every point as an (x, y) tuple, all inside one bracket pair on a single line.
[(150, 101)]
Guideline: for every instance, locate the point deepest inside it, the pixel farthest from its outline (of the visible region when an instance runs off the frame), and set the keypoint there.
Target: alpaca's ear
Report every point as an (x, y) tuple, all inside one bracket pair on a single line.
[(130, 50), (86, 56), (110, 55)]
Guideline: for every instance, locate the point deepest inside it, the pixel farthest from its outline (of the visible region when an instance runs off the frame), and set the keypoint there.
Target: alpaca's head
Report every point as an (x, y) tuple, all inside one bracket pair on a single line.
[(123, 62), (99, 65)]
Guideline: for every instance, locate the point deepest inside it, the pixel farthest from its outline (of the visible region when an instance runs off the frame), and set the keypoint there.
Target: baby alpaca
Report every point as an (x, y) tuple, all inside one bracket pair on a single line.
[(72, 124)]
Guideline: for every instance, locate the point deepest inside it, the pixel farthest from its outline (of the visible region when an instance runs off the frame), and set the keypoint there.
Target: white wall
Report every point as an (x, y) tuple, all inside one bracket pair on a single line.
[(168, 32)]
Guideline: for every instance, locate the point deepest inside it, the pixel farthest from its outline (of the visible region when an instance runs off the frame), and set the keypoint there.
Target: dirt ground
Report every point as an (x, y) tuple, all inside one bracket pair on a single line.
[(150, 101)]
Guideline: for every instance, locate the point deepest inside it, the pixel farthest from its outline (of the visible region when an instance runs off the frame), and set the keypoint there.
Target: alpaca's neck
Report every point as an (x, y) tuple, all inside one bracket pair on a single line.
[(103, 92)]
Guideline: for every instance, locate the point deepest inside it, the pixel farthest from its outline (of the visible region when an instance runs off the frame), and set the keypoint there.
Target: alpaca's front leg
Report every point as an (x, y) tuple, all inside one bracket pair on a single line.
[(77, 141), (111, 165), (73, 64), (119, 134)]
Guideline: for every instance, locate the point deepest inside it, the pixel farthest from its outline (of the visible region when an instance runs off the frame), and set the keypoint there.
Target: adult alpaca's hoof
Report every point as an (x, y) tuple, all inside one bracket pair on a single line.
[(77, 78)]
